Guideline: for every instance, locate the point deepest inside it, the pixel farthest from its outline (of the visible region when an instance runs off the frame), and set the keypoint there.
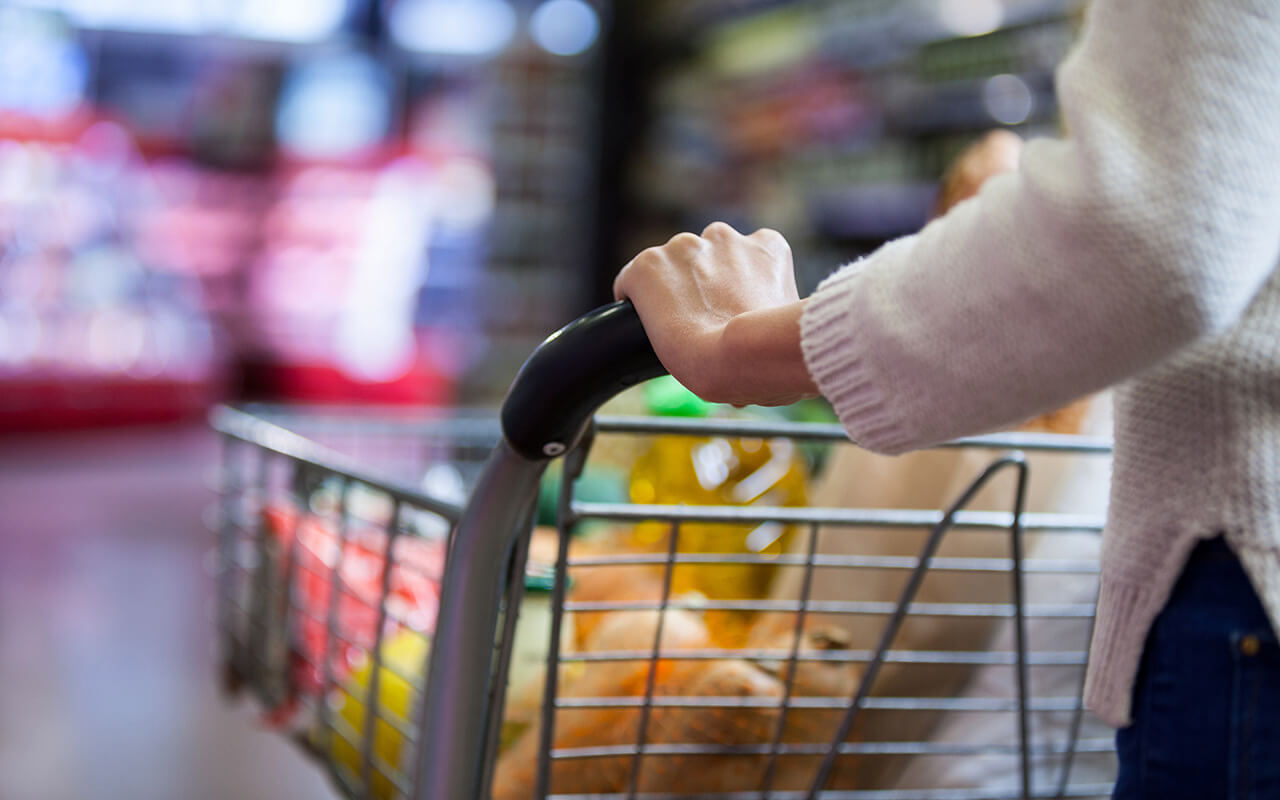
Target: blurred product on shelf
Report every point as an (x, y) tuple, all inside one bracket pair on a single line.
[(93, 328), (829, 120), (336, 202)]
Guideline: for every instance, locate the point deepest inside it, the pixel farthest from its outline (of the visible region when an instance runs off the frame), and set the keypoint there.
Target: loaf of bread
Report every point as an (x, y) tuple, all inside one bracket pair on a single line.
[(743, 700)]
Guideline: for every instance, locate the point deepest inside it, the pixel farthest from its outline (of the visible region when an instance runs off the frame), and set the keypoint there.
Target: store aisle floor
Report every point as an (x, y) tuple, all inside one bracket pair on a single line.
[(107, 686)]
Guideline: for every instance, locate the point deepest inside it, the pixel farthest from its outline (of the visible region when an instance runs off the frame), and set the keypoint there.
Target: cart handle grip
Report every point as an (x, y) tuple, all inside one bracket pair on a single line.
[(571, 374)]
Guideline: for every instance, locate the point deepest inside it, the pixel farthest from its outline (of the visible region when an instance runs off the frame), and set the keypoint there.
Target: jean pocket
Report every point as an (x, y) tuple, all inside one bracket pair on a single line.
[(1254, 739), (1177, 747)]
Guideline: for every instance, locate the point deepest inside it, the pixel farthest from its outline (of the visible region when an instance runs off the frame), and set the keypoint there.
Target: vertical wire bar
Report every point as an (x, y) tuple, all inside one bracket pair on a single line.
[(498, 688), (1077, 717), (281, 686), (652, 677), (895, 620), (565, 521), (375, 675), (229, 484), (331, 623), (261, 584), (1020, 634), (766, 789)]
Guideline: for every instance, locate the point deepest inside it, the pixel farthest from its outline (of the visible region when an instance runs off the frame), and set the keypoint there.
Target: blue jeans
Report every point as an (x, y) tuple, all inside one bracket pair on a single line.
[(1206, 705)]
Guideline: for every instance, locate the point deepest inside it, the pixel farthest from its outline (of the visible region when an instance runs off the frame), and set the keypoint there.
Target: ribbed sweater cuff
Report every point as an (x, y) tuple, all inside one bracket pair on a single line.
[(835, 354), (1125, 613)]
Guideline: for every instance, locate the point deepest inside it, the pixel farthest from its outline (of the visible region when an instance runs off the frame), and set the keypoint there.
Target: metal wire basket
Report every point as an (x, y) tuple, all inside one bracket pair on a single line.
[(371, 577)]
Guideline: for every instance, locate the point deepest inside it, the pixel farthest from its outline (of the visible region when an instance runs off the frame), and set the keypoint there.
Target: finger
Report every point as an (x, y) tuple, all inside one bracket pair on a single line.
[(719, 230)]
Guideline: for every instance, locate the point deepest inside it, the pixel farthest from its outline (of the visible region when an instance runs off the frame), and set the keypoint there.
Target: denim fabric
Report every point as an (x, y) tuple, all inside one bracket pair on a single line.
[(1206, 706)]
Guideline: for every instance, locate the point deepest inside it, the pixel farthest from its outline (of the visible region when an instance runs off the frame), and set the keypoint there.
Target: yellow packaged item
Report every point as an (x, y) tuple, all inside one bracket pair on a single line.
[(715, 470)]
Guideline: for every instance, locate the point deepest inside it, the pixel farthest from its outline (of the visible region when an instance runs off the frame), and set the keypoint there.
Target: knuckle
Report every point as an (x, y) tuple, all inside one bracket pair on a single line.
[(644, 259), (684, 241), (772, 239), (718, 230)]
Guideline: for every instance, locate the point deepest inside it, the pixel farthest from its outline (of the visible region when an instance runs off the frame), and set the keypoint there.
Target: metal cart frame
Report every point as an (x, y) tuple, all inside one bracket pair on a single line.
[(547, 414)]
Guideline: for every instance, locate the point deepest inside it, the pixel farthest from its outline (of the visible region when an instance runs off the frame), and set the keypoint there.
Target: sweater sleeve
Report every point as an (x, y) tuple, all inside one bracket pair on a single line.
[(1151, 227)]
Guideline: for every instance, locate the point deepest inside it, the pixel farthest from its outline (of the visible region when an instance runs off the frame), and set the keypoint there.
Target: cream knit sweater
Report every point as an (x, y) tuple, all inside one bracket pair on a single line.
[(1141, 251)]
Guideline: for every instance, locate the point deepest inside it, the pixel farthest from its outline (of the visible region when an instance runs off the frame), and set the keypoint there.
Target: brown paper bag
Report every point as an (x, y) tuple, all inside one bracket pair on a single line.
[(932, 479)]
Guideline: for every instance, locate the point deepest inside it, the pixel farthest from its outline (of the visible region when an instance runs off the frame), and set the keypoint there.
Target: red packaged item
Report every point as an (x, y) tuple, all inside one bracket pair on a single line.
[(313, 545)]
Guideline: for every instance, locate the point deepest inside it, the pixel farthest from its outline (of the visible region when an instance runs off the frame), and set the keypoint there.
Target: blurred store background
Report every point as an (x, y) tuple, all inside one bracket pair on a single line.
[(372, 203)]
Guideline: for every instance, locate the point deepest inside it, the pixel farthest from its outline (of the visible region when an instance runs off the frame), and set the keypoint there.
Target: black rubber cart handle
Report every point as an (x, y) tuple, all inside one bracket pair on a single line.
[(571, 374)]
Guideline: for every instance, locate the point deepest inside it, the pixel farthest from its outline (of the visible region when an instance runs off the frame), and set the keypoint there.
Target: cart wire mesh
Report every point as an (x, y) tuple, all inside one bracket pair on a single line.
[(333, 528)]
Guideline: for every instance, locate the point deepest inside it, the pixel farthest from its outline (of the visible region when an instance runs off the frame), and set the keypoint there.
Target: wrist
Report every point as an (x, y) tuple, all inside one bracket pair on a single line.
[(761, 358)]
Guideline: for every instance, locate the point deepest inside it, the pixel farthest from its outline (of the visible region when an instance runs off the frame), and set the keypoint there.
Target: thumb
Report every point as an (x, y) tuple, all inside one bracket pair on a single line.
[(620, 283)]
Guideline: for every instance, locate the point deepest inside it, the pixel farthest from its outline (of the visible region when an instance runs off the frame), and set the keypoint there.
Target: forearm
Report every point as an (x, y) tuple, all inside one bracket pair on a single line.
[(1152, 227)]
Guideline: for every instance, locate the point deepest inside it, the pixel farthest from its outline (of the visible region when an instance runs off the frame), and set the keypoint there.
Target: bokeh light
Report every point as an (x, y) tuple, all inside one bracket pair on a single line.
[(565, 27), (456, 27), (1008, 99), (970, 17)]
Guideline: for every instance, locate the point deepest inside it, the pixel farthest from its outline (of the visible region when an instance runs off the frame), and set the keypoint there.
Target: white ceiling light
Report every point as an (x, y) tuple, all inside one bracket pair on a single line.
[(157, 16), (565, 27), (290, 20), (453, 27), (970, 17)]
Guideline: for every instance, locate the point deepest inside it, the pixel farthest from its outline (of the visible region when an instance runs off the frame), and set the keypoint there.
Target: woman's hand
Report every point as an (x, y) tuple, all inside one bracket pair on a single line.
[(723, 314)]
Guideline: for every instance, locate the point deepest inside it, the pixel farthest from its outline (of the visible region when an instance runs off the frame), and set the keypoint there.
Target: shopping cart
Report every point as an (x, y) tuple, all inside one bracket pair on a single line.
[(306, 496)]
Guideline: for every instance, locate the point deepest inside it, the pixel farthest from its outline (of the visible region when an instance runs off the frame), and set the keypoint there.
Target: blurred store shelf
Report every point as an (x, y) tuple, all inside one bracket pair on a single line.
[(831, 120), (344, 199)]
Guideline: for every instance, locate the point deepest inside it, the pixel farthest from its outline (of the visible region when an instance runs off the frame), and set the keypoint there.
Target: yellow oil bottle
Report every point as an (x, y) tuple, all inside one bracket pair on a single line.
[(713, 470)]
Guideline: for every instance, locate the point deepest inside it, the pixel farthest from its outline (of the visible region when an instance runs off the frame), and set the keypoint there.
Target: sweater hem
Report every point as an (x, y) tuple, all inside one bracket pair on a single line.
[(1116, 652), (1126, 610)]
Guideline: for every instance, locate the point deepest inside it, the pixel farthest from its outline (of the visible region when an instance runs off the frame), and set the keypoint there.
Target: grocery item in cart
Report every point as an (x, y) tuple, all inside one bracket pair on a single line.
[(316, 547), (742, 699), (715, 470), (932, 479), (400, 670)]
